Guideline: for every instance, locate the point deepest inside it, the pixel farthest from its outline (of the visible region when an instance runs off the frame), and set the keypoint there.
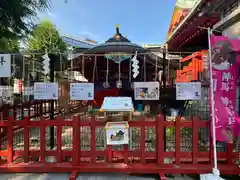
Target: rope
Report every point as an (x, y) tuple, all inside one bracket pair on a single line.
[(94, 68), (83, 65), (130, 70), (168, 67), (156, 74), (144, 66), (106, 84), (145, 53), (119, 72), (71, 66)]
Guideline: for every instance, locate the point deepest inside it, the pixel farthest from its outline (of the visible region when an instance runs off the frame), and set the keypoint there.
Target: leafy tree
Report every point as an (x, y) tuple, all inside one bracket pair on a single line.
[(9, 45), (45, 37), (16, 16)]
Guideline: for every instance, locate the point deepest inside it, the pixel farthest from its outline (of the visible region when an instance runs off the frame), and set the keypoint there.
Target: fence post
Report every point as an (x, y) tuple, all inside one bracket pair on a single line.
[(42, 139), (10, 140), (178, 140), (142, 141), (26, 139), (76, 140), (160, 126), (93, 139), (195, 139), (230, 153), (59, 139)]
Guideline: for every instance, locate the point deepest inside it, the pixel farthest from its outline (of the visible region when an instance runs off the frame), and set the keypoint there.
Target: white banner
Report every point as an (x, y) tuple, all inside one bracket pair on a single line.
[(45, 91), (82, 91), (5, 65), (146, 90), (188, 91)]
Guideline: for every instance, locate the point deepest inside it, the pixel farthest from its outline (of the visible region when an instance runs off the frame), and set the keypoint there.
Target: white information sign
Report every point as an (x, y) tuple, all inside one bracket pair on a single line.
[(117, 133), (188, 91), (82, 91), (45, 91), (119, 104), (146, 90), (5, 65)]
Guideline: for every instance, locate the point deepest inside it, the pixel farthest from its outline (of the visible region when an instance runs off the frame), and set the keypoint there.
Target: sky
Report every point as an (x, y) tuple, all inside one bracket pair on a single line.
[(141, 21)]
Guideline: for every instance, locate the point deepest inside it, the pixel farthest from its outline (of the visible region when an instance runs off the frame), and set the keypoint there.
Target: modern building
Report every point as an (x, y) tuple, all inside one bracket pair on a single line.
[(229, 23), (74, 42)]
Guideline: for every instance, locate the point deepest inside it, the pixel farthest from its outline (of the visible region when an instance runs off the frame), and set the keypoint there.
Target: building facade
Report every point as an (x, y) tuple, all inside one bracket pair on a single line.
[(229, 23), (73, 42)]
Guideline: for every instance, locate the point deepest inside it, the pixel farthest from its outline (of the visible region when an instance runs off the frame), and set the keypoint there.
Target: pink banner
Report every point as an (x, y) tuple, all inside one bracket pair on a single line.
[(225, 59)]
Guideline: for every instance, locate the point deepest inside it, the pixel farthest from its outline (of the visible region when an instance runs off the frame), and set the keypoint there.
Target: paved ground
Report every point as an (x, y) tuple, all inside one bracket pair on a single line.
[(91, 176), (65, 177)]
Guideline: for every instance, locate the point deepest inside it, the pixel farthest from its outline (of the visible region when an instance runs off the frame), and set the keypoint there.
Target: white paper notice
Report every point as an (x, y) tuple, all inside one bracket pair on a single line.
[(188, 91), (82, 91), (45, 91)]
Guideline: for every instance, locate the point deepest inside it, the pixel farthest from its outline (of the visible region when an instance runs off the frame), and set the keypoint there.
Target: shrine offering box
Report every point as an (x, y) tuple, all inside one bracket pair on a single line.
[(117, 133)]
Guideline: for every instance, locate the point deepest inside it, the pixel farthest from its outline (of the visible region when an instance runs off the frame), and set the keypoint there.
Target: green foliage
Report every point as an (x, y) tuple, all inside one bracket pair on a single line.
[(17, 16), (45, 37), (9, 45)]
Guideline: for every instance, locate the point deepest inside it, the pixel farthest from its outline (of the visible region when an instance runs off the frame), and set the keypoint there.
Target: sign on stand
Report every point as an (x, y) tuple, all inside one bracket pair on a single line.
[(5, 65), (117, 133), (117, 104), (188, 91), (146, 90), (82, 91), (45, 91)]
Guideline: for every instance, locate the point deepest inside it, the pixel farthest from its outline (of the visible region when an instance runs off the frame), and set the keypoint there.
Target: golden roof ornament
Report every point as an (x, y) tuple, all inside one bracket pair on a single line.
[(117, 36)]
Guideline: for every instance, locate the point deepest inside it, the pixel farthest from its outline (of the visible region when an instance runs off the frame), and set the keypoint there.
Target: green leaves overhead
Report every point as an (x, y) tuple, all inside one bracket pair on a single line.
[(16, 16), (45, 37)]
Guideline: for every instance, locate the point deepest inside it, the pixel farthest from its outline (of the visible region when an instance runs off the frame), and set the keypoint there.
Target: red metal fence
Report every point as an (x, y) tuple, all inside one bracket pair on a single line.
[(85, 150)]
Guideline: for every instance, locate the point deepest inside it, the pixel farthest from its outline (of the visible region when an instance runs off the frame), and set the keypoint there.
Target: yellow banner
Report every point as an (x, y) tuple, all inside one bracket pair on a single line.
[(181, 10)]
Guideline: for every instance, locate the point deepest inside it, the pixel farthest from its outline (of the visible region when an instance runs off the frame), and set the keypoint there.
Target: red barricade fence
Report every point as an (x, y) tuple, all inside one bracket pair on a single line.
[(85, 150)]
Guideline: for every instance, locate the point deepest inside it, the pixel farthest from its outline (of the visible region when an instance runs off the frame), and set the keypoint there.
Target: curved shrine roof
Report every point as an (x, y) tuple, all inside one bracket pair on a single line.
[(117, 43)]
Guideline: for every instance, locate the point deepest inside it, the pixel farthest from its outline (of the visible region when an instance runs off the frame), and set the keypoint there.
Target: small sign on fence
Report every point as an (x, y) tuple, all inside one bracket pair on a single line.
[(45, 91), (188, 91), (117, 133), (146, 90), (82, 91)]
